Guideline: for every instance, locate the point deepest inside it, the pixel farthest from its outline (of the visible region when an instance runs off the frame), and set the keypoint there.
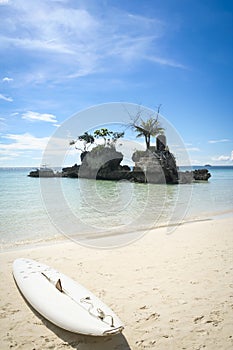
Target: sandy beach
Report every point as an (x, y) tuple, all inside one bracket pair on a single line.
[(171, 291)]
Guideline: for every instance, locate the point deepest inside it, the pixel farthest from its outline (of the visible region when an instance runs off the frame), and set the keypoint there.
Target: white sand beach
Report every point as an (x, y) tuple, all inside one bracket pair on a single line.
[(171, 291)]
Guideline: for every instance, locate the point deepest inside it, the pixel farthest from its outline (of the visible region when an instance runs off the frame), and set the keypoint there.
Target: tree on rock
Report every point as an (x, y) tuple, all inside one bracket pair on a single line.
[(104, 133), (87, 141), (110, 137), (148, 128)]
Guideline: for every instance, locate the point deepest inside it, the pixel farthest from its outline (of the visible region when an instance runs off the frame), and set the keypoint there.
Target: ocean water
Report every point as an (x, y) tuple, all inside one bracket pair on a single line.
[(36, 210)]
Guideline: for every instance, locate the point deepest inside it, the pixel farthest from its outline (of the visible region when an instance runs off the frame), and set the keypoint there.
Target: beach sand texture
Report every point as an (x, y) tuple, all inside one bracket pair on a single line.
[(171, 291)]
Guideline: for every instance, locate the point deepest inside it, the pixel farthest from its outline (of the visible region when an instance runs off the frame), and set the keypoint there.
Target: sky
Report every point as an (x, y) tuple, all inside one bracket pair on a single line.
[(60, 57)]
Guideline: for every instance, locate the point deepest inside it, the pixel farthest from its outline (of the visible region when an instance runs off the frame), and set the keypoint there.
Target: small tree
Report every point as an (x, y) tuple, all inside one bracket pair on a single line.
[(149, 128), (104, 133), (117, 135), (108, 135), (87, 140)]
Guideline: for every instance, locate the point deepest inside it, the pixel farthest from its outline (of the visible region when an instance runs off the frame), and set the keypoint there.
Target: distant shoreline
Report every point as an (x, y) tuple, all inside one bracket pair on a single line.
[(180, 166)]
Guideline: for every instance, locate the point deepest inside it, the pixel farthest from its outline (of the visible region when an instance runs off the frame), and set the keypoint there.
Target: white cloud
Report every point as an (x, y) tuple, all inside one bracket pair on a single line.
[(223, 158), (36, 44), (22, 142), (90, 41), (7, 80), (47, 27), (218, 141), (35, 116), (165, 62), (51, 151), (21, 146), (5, 98)]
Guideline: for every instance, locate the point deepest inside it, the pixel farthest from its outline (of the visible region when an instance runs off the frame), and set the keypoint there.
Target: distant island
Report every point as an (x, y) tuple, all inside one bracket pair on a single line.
[(103, 162)]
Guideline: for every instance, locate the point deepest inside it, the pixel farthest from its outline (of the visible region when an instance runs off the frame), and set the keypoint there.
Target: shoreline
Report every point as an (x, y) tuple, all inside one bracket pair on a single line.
[(61, 238), (171, 291)]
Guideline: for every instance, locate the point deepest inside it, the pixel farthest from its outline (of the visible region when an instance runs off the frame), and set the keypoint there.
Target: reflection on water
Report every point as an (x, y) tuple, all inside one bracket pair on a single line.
[(87, 206), (108, 204)]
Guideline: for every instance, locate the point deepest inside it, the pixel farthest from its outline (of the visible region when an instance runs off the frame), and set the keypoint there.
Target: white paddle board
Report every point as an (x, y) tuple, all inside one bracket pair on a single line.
[(63, 301)]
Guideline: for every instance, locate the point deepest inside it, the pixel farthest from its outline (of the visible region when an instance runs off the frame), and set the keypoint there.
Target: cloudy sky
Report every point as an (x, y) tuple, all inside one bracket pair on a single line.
[(59, 57)]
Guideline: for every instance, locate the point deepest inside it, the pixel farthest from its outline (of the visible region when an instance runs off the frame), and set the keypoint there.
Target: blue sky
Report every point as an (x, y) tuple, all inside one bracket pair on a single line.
[(59, 57)]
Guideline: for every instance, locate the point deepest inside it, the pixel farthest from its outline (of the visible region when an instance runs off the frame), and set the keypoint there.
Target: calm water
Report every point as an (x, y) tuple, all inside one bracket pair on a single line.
[(34, 210)]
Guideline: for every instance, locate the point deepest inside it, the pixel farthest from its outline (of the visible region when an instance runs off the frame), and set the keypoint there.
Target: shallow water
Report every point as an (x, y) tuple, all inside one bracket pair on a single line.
[(34, 210)]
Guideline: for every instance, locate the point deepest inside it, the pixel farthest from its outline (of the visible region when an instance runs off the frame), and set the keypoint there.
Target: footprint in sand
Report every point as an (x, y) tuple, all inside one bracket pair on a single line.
[(215, 318), (198, 319), (153, 316)]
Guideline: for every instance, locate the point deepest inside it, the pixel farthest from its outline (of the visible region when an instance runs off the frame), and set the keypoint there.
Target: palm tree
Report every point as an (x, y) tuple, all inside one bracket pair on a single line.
[(149, 128)]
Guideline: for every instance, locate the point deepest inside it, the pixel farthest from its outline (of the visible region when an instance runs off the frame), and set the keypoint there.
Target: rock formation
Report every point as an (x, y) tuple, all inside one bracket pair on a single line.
[(156, 165), (43, 172), (196, 175), (201, 174), (102, 163)]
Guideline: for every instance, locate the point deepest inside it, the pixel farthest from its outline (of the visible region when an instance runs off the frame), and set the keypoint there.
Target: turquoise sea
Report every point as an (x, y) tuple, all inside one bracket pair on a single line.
[(36, 210)]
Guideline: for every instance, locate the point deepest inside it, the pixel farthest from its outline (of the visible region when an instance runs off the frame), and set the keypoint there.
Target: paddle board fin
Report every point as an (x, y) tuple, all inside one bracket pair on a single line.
[(58, 285)]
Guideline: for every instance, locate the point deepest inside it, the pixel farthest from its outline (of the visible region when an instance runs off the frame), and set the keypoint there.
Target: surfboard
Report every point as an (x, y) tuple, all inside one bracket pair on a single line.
[(63, 301)]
